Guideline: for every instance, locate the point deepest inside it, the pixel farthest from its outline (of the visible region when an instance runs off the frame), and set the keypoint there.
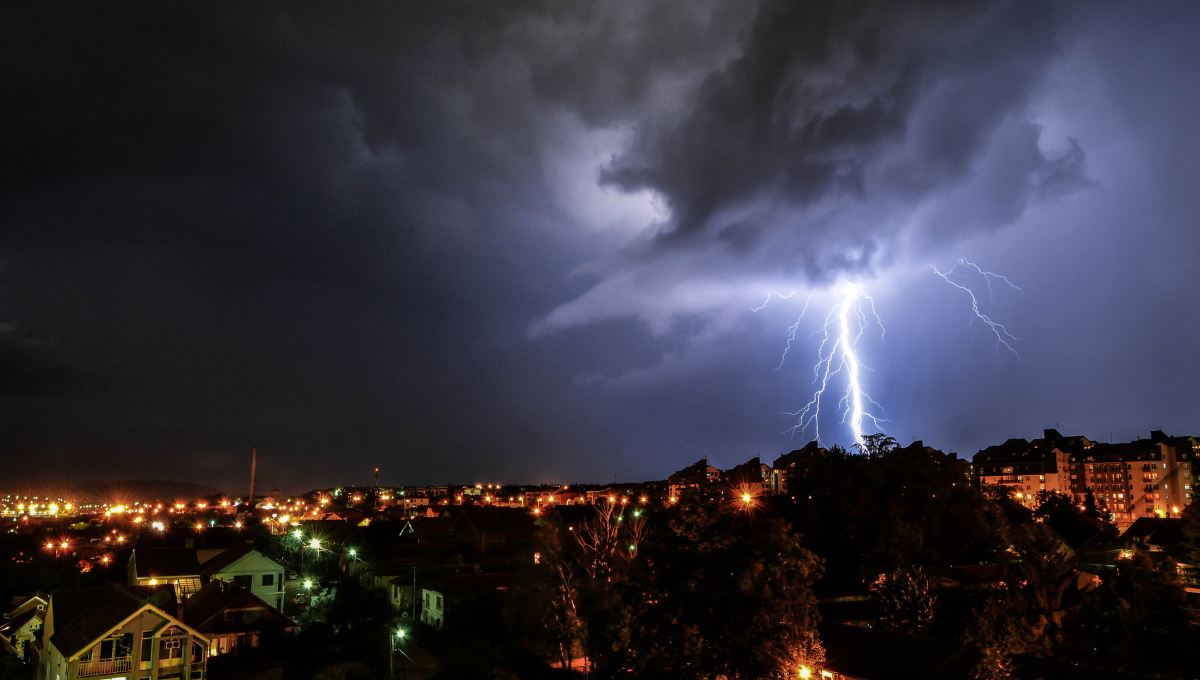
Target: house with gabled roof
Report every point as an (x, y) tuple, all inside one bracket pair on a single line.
[(234, 619), (112, 632), (158, 566), (22, 625), (245, 566)]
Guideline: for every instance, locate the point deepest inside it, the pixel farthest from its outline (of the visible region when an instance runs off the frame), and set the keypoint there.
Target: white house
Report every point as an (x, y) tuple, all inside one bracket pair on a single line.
[(116, 633), (22, 625), (249, 569)]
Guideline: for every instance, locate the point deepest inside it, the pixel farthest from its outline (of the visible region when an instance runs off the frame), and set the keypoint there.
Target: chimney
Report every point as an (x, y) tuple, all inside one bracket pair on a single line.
[(253, 475)]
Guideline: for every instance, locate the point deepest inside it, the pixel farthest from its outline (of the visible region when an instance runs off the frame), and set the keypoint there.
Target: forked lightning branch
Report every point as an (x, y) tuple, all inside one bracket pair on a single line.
[(838, 369)]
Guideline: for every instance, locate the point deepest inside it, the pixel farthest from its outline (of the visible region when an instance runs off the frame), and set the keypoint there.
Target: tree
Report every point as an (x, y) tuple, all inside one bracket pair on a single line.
[(998, 630), (870, 515), (716, 591), (1043, 575), (908, 600), (547, 610), (1138, 620), (1031, 611), (876, 445), (1191, 530)]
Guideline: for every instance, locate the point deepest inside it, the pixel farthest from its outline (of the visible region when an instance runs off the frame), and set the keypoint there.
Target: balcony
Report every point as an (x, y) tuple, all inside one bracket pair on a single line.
[(105, 666)]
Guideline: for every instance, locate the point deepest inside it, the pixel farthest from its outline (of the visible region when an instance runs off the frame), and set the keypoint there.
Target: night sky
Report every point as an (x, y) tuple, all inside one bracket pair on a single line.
[(522, 241)]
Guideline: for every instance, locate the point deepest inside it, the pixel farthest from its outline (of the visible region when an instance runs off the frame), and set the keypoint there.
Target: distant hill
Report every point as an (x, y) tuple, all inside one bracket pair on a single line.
[(143, 490)]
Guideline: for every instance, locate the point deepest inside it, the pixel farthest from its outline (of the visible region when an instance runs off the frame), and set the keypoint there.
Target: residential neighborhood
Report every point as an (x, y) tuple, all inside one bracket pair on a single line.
[(225, 587)]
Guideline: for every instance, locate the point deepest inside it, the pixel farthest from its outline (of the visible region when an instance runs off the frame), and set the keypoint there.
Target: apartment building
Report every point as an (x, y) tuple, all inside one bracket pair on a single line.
[(692, 477), (1144, 478), (1030, 467)]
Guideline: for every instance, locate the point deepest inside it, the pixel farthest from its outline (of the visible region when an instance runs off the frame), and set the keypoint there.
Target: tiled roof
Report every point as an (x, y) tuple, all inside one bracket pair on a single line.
[(226, 558), (81, 615), (217, 596), (10, 627), (166, 562), (1163, 530)]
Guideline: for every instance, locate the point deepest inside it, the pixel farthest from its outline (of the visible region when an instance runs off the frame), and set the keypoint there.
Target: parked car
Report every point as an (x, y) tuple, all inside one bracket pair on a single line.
[(291, 575)]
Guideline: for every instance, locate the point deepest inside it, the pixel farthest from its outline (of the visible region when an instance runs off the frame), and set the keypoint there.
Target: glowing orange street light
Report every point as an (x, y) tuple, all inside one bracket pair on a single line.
[(747, 498)]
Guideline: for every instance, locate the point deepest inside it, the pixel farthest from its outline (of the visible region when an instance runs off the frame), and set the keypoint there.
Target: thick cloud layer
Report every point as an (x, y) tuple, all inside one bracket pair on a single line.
[(521, 241)]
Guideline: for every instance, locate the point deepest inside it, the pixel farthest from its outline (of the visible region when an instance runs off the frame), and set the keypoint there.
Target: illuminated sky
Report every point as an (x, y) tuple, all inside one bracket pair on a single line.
[(521, 242)]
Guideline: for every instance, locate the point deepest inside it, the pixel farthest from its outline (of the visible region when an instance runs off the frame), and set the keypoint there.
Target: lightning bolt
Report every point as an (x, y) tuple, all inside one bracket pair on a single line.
[(844, 325), (1002, 335), (837, 356)]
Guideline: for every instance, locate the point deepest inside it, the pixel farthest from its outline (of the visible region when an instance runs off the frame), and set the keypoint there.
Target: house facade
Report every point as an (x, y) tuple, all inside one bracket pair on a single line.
[(1144, 478), (22, 625), (693, 477), (249, 569), (233, 618), (1031, 467), (119, 632)]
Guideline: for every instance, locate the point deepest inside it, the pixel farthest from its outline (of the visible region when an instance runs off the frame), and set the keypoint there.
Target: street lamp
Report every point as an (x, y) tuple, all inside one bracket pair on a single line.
[(308, 584), (392, 655)]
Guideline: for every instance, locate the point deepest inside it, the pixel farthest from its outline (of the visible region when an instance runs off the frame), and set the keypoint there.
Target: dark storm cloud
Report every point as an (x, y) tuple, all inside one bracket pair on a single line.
[(869, 101), (318, 229), (329, 229)]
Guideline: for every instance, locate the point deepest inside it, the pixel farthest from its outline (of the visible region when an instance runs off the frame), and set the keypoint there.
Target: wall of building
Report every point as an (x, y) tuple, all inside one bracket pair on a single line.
[(256, 566)]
